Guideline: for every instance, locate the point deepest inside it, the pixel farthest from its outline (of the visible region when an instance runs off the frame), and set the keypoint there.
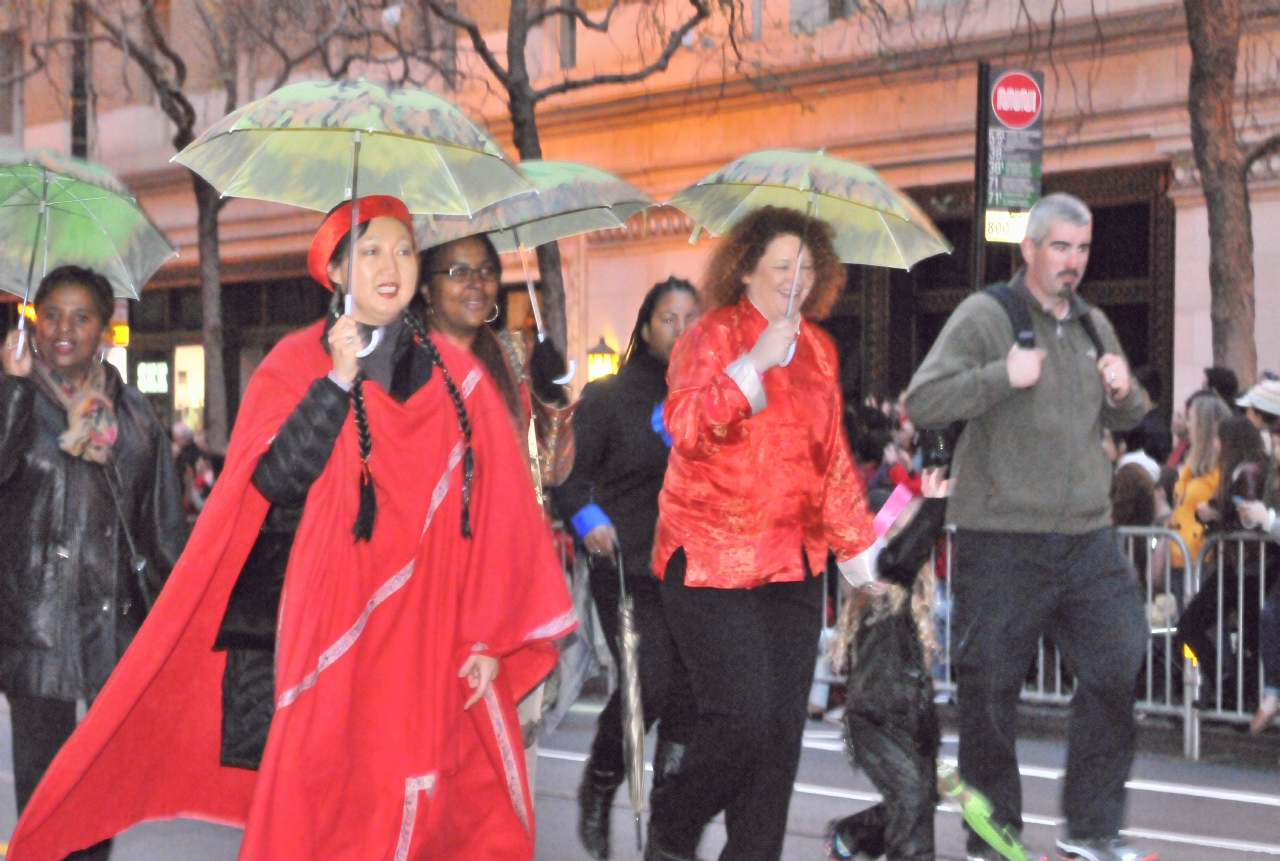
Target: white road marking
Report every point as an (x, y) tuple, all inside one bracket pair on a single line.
[(1136, 785), (1205, 792), (1049, 821), (1197, 840)]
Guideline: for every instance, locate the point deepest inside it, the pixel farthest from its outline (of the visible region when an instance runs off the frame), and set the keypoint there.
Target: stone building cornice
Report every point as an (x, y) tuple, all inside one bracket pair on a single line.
[(1126, 32)]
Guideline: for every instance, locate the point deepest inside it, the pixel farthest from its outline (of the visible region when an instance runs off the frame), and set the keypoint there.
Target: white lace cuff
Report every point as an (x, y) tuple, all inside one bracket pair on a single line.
[(742, 372), (861, 569)]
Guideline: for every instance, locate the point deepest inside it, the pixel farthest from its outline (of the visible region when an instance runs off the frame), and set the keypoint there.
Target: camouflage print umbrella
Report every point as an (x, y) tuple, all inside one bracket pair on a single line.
[(313, 144), (318, 143), (571, 198), (56, 210), (632, 706), (874, 224)]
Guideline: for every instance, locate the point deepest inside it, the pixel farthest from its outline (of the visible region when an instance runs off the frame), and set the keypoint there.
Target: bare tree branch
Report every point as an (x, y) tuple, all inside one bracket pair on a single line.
[(472, 29), (601, 26), (172, 101), (152, 24), (701, 12), (1260, 150)]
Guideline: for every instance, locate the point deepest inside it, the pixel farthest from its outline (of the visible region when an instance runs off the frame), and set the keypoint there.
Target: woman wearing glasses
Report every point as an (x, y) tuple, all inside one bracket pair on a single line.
[(460, 283)]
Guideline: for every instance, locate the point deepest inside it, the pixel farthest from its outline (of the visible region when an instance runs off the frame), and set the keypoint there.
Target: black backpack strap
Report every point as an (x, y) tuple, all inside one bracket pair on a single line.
[(1015, 306), (1086, 320)]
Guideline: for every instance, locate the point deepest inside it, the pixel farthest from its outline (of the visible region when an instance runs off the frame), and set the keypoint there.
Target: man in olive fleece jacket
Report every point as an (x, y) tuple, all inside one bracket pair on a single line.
[(1035, 552)]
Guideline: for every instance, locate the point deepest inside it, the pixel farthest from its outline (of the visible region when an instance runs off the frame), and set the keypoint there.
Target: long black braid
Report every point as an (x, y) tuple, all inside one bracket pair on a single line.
[(368, 499), (464, 421)]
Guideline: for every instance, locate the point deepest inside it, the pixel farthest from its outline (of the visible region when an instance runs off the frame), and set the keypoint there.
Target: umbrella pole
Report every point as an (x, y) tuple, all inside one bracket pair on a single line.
[(795, 278), (351, 243), (42, 224), (528, 282)]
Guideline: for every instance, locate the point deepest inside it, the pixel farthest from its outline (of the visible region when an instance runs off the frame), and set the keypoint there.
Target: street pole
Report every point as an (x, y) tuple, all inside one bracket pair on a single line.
[(79, 79), (981, 168)]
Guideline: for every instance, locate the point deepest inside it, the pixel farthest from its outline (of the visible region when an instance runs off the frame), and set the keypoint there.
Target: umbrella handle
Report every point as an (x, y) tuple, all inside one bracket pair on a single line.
[(622, 577), (568, 375)]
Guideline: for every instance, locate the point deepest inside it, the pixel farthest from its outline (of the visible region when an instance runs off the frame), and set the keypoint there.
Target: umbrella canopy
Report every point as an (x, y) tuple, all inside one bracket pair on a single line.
[(874, 224), (632, 707), (312, 144), (571, 198), (56, 210)]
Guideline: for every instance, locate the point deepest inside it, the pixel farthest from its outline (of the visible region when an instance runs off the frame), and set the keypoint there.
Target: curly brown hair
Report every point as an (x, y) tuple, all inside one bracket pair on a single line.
[(743, 246)]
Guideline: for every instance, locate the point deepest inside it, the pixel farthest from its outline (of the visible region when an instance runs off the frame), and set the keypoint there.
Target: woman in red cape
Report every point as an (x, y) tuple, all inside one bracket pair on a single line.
[(373, 752)]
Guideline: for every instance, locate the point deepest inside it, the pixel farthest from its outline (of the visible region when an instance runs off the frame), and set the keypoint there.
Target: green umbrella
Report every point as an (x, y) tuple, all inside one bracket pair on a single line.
[(313, 144), (56, 210), (571, 198), (874, 224)]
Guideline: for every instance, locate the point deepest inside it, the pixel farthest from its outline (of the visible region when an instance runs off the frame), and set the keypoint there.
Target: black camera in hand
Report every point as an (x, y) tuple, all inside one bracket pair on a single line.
[(936, 445)]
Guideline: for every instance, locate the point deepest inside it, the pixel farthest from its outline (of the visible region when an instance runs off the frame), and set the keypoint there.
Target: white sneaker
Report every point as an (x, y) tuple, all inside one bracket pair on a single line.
[(1107, 849)]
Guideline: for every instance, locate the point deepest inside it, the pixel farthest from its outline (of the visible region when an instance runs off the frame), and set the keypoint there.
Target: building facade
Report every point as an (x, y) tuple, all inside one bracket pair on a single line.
[(812, 74)]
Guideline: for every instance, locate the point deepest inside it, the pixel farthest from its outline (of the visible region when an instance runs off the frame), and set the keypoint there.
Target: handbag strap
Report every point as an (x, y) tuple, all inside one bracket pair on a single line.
[(137, 562)]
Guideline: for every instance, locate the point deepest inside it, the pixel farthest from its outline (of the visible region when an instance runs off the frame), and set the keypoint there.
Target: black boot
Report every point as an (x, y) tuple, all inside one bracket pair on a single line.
[(595, 800), (653, 853), (667, 756)]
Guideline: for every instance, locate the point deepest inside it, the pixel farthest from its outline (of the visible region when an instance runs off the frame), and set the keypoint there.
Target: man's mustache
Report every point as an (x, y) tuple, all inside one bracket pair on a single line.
[(1074, 273)]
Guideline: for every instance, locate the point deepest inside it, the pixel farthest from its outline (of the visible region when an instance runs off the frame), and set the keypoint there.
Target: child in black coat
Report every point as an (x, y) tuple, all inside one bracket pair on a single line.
[(891, 725)]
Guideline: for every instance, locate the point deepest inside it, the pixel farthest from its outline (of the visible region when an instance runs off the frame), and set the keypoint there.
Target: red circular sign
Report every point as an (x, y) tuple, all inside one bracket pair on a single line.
[(1016, 100)]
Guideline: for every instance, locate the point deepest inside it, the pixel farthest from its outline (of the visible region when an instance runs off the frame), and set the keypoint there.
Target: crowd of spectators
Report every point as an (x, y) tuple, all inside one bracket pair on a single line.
[(1212, 471)]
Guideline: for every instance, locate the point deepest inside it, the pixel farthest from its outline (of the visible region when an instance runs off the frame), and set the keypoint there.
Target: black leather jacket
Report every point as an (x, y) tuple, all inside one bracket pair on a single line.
[(70, 601)]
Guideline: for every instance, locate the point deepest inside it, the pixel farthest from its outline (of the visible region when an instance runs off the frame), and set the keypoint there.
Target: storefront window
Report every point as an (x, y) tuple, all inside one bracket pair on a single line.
[(188, 386)]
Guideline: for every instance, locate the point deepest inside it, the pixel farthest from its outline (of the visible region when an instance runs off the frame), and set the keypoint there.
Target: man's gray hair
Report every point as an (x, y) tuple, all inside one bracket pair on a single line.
[(1056, 207)]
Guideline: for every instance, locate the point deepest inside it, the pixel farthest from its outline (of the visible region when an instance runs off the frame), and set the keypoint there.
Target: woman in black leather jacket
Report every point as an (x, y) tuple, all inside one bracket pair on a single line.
[(85, 468)]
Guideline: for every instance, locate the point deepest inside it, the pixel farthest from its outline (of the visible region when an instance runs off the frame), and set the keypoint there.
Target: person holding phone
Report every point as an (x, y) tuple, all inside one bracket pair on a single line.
[(418, 599)]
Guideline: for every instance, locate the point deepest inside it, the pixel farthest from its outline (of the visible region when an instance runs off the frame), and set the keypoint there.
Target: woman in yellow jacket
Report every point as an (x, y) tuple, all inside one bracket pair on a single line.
[(1198, 477)]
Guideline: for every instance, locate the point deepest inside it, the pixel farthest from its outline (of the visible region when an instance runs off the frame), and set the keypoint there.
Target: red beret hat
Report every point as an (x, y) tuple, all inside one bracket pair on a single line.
[(338, 224)]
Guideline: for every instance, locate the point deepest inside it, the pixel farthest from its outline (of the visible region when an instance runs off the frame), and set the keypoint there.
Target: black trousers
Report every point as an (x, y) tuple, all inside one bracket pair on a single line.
[(749, 656), (1201, 616), (1010, 588), (658, 665), (901, 827), (40, 727)]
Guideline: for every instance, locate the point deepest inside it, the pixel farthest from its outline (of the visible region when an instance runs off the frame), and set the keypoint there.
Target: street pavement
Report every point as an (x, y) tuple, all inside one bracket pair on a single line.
[(1188, 811)]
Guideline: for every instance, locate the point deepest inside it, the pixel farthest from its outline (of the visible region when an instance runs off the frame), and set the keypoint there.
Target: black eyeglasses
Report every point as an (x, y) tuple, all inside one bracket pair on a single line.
[(463, 273)]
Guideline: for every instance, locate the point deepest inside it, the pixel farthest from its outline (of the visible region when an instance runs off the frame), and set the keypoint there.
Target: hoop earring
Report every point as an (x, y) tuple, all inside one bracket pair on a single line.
[(494, 316)]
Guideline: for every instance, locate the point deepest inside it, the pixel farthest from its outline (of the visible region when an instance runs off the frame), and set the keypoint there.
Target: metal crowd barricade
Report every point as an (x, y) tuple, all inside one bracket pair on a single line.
[(1167, 684), (1232, 573)]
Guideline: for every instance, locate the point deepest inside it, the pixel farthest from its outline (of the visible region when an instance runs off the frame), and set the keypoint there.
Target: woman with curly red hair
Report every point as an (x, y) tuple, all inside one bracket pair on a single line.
[(759, 486)]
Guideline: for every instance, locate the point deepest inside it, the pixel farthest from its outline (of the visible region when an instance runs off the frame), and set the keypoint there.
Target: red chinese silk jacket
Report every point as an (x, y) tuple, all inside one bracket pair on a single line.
[(748, 488)]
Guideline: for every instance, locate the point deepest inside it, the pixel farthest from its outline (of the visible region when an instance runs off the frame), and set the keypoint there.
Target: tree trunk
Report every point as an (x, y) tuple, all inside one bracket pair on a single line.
[(215, 378), (524, 124), (553, 306), (1213, 29)]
